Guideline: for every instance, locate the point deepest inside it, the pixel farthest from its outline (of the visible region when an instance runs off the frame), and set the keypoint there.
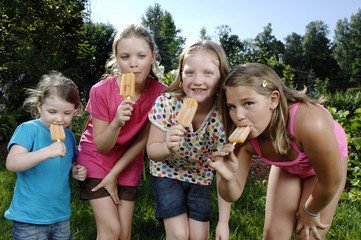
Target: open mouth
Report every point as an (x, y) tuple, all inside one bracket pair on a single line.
[(198, 89)]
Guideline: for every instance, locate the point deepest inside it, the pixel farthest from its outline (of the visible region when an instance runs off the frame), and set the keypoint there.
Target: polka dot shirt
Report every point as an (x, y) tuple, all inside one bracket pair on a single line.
[(188, 164)]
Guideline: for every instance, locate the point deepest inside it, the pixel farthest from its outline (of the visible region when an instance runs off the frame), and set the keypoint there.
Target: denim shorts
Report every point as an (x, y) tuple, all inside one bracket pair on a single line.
[(173, 198), (28, 231)]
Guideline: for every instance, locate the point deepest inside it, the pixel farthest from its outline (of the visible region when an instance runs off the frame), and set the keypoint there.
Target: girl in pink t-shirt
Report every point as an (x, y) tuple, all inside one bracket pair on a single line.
[(112, 144)]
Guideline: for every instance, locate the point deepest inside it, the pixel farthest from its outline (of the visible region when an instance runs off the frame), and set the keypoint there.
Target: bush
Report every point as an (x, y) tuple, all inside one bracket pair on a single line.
[(351, 122), (347, 101), (8, 123)]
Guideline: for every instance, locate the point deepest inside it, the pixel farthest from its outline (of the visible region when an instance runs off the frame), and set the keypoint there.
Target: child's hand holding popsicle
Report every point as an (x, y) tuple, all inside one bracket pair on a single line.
[(127, 90), (239, 135), (57, 134), (225, 162), (184, 118)]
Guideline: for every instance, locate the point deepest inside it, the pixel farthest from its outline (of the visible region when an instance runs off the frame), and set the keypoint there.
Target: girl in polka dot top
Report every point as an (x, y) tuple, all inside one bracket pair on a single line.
[(181, 179)]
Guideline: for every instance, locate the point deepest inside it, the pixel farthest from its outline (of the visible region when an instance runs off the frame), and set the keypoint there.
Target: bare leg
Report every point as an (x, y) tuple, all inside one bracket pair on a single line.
[(126, 209), (198, 230), (328, 212), (176, 228), (283, 196), (106, 217)]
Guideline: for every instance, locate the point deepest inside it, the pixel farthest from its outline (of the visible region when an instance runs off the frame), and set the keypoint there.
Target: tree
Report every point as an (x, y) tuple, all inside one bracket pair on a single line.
[(231, 44), (203, 34), (36, 37), (293, 54), (100, 38), (317, 50), (347, 49), (267, 43), (355, 26), (165, 33), (342, 50), (173, 43)]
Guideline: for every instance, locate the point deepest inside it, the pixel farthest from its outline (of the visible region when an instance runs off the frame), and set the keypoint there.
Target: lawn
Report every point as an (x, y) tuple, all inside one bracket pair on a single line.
[(246, 221)]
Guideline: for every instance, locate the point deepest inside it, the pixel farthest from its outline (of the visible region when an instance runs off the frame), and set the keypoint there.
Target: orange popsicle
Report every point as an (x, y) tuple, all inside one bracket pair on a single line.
[(187, 111), (239, 135), (127, 85), (57, 132)]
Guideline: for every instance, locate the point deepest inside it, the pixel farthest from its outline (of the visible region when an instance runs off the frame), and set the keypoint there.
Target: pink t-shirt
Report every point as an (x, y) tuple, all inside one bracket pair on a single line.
[(104, 99)]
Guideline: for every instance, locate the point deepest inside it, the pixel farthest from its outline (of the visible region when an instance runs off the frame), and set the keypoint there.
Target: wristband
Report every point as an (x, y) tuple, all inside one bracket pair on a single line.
[(309, 213)]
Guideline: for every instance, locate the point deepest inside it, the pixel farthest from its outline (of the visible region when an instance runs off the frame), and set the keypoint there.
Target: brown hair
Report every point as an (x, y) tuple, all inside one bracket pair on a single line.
[(253, 75), (51, 84)]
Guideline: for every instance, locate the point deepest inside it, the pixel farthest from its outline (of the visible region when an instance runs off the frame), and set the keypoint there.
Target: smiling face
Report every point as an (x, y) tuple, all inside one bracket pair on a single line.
[(201, 76), (56, 110), (134, 55), (247, 107)]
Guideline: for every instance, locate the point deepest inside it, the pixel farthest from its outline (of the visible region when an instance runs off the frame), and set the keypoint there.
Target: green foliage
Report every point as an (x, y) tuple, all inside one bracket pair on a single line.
[(78, 124), (347, 48), (7, 183), (100, 38), (356, 71), (246, 222), (231, 44), (267, 43), (203, 34), (169, 78), (354, 139), (8, 123), (165, 33), (247, 214), (351, 122), (293, 54), (349, 100), (343, 224), (36, 37), (320, 87), (316, 49)]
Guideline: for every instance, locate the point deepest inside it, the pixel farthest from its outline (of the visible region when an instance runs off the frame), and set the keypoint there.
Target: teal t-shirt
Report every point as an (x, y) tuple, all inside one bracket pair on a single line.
[(42, 193)]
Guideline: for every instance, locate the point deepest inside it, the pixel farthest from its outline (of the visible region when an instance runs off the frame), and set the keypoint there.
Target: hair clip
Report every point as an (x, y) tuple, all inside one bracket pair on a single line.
[(264, 84)]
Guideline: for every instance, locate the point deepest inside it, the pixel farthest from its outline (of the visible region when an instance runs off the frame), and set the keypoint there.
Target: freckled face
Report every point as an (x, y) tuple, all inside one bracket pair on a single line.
[(201, 76), (247, 107)]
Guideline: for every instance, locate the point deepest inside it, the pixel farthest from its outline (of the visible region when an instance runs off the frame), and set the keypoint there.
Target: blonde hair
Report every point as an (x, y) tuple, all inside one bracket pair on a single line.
[(52, 84), (208, 46), (254, 75), (132, 30)]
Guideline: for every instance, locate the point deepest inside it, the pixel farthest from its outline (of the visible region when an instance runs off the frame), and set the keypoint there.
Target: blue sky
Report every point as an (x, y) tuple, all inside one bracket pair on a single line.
[(245, 18)]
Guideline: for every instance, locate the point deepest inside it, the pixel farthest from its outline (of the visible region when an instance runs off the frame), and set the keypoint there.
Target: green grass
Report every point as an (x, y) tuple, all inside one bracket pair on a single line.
[(246, 221)]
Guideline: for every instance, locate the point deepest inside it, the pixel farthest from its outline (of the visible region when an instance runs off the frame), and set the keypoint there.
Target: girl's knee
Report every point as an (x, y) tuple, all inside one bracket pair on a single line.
[(110, 231), (276, 232), (177, 235), (125, 235)]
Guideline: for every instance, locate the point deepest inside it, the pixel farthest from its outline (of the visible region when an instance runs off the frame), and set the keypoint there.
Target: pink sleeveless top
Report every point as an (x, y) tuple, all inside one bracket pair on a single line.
[(301, 166)]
